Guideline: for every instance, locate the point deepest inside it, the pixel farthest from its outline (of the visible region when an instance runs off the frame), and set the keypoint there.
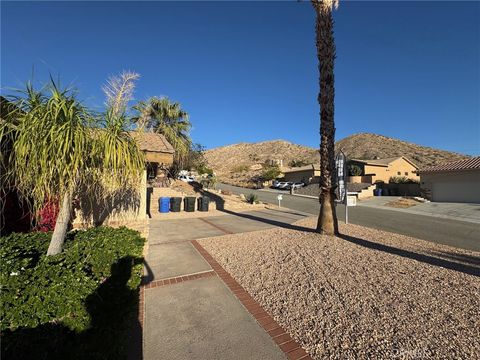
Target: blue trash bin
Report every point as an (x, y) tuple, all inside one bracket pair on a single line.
[(164, 204), (377, 192)]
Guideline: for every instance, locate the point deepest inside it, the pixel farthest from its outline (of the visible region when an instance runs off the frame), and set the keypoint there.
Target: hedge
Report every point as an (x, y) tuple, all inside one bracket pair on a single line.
[(77, 304)]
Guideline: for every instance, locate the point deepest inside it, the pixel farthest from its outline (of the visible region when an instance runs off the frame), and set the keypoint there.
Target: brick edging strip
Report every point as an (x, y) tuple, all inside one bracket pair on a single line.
[(284, 341)]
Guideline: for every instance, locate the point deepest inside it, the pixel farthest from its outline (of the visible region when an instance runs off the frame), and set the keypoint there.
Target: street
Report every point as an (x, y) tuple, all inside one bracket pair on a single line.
[(443, 231)]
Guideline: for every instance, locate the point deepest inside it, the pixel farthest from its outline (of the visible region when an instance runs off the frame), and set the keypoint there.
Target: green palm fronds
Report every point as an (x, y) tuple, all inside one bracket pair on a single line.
[(168, 118)]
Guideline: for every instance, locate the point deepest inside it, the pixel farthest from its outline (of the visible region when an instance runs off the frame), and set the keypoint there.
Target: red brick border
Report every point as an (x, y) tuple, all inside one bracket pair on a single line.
[(289, 346)]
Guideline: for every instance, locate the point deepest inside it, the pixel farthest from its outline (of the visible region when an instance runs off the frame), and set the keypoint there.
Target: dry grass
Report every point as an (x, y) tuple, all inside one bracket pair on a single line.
[(370, 294), (403, 203)]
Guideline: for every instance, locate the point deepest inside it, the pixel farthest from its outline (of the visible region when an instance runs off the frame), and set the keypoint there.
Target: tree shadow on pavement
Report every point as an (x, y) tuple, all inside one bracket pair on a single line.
[(114, 332), (431, 260)]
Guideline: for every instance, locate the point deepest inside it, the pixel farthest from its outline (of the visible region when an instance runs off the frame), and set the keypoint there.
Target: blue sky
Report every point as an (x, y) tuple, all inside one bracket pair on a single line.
[(247, 71)]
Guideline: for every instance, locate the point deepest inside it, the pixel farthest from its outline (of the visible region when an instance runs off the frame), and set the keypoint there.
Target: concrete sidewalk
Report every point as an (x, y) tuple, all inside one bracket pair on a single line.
[(194, 315)]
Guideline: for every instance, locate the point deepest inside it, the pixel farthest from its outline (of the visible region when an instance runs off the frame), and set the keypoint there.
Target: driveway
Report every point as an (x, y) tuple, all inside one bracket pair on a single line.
[(193, 310)]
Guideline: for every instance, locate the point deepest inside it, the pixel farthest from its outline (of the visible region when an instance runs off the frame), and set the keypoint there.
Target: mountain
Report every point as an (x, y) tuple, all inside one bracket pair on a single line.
[(238, 163)]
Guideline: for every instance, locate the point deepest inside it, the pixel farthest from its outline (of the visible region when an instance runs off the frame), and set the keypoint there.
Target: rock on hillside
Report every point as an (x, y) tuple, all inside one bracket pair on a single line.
[(238, 163)]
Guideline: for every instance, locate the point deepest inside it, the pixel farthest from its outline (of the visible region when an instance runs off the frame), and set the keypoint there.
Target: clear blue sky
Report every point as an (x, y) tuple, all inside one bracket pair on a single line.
[(247, 71)]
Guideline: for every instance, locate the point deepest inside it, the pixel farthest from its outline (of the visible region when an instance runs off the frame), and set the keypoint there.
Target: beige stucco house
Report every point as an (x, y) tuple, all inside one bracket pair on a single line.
[(457, 181), (381, 170), (307, 174)]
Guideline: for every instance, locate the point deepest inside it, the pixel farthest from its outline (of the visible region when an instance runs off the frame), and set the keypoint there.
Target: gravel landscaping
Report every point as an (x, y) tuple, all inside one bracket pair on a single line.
[(367, 294)]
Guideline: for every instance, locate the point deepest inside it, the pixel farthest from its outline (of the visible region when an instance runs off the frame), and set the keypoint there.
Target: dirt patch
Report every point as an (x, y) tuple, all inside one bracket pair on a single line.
[(184, 187), (403, 203), (369, 294)]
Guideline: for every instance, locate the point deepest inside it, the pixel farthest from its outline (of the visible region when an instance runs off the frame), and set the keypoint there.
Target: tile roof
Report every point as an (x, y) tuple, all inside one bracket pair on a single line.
[(149, 141), (462, 165), (382, 162)]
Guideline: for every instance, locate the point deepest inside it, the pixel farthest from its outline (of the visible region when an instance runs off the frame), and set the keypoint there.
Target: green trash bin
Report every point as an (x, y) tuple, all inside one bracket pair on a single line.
[(189, 203), (175, 204), (203, 203)]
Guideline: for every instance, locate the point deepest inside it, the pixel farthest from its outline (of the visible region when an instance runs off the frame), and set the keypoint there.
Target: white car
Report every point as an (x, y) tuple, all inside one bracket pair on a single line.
[(295, 186), (186, 178), (284, 185)]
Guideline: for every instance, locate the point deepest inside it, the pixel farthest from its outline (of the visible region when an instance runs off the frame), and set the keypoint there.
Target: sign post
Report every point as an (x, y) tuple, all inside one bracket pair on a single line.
[(279, 198), (341, 165)]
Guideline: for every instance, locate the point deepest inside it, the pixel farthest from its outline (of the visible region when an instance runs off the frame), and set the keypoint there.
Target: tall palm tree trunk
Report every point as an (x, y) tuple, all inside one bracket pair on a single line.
[(61, 226), (327, 219)]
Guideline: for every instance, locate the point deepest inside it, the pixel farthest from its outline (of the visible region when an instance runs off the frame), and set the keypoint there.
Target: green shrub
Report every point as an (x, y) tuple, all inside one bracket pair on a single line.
[(297, 163), (354, 170), (402, 180), (82, 297), (252, 198), (271, 173)]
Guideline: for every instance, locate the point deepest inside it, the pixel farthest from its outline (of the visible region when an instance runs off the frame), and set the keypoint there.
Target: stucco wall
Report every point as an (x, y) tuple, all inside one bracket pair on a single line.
[(452, 187), (399, 167), (127, 207)]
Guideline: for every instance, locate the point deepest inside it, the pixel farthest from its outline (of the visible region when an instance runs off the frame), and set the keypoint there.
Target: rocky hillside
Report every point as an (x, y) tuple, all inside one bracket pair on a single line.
[(238, 163), (369, 146)]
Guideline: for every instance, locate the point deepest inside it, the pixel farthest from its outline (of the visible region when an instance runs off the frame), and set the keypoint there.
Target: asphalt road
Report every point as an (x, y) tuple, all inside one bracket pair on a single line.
[(443, 231)]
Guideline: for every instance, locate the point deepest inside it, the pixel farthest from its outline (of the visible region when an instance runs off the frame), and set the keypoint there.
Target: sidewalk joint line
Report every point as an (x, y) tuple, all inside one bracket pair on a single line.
[(215, 226), (178, 279)]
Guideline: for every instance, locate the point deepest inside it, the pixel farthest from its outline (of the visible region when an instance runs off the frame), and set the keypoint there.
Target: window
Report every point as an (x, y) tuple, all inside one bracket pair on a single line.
[(406, 173), (399, 173)]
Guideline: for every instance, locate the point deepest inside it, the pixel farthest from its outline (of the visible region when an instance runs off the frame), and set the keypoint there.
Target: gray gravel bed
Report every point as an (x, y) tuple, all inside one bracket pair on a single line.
[(376, 296)]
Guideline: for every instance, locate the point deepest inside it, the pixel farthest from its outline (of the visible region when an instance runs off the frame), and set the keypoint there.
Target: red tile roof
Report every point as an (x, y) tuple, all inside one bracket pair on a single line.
[(462, 165)]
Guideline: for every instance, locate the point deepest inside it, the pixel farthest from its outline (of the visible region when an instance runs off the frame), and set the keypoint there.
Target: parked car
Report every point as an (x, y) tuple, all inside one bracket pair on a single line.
[(284, 185), (295, 186), (186, 178)]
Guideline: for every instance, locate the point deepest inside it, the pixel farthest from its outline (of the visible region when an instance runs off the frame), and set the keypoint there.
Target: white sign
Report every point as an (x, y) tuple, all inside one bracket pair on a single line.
[(351, 200), (341, 166), (279, 197)]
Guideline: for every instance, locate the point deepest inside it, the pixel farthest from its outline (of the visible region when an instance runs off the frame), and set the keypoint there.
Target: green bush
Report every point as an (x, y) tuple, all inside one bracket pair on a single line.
[(252, 198), (271, 173), (402, 180), (297, 163), (80, 298), (354, 170)]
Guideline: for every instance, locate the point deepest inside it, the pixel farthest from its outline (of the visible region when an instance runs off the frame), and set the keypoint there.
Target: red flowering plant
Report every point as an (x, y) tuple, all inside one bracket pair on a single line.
[(47, 216)]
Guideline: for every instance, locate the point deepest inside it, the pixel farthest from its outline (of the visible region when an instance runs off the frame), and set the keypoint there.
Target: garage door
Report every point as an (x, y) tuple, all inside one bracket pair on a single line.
[(455, 191)]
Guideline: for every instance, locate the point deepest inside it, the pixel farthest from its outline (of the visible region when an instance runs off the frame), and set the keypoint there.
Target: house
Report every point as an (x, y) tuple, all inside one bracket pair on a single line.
[(307, 174), (158, 152), (457, 181), (381, 170)]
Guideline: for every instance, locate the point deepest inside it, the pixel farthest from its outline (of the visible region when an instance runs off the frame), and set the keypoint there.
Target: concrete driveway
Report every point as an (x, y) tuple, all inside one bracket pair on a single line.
[(192, 314), (455, 211)]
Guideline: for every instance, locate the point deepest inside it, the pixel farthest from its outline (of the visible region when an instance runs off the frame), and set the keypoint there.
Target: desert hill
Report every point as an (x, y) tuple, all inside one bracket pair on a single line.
[(238, 163)]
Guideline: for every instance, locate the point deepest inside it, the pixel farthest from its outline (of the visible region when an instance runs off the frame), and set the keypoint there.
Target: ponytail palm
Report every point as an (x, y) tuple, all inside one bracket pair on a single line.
[(168, 118), (59, 147)]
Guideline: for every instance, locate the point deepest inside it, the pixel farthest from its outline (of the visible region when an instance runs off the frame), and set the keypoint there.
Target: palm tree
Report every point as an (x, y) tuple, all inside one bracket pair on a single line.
[(59, 147), (327, 219), (162, 116)]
